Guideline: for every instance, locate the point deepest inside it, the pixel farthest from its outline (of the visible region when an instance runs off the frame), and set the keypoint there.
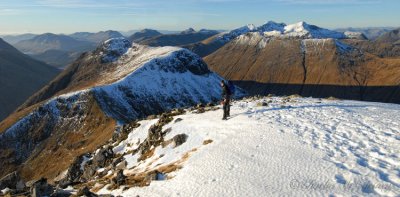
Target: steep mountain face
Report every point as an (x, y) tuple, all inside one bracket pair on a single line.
[(96, 38), (13, 39), (20, 77), (300, 30), (77, 112), (311, 67), (184, 38), (144, 34)]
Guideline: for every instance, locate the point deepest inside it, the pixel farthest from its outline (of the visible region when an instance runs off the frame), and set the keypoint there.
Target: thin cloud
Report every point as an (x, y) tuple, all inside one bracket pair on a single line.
[(321, 2), (87, 4), (9, 12)]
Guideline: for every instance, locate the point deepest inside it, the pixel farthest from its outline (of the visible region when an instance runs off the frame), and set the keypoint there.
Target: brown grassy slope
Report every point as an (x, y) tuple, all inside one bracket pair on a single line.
[(80, 131), (322, 70)]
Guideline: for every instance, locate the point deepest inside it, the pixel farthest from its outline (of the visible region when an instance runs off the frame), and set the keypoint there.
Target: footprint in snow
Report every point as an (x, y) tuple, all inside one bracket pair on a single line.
[(362, 162), (340, 179)]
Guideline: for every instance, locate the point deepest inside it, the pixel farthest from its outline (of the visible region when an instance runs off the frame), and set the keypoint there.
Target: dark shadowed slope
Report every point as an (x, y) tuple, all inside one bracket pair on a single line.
[(20, 77), (183, 38), (143, 35)]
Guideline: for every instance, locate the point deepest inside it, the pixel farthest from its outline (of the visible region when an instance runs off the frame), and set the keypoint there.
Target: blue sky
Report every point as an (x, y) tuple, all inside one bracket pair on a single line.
[(67, 16)]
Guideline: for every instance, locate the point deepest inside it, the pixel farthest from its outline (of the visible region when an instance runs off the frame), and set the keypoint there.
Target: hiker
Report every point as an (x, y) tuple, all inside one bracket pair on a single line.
[(226, 95)]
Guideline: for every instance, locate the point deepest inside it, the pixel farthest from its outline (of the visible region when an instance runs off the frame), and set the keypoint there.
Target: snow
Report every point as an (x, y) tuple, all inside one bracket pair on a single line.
[(253, 38), (304, 30), (300, 30), (314, 44), (113, 48), (292, 147), (162, 78), (228, 36), (354, 35), (5, 190)]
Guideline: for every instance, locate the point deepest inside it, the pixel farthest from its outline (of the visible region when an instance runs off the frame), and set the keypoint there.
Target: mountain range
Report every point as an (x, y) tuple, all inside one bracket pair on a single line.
[(144, 34), (60, 50), (13, 39), (20, 77), (307, 60), (370, 32), (96, 38), (186, 37)]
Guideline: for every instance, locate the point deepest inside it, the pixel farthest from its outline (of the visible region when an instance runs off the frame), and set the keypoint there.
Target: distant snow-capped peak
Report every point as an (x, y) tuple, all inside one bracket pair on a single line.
[(301, 30), (272, 26), (304, 30)]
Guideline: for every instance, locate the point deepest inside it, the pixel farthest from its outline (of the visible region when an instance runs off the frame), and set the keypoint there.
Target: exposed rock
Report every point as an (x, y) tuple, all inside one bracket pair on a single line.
[(41, 188), (106, 195), (210, 104), (178, 120), (120, 179), (177, 112), (262, 104), (12, 181), (123, 132), (179, 139), (88, 172), (103, 157), (151, 117), (73, 174), (121, 165), (86, 192), (200, 105), (200, 110)]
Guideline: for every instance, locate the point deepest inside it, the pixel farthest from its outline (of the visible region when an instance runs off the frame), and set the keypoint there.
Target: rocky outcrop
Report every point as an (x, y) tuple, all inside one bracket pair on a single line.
[(41, 188), (12, 181)]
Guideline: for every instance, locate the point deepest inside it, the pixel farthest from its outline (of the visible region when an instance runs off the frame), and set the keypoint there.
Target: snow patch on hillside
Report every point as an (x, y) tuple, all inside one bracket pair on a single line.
[(254, 39), (355, 35)]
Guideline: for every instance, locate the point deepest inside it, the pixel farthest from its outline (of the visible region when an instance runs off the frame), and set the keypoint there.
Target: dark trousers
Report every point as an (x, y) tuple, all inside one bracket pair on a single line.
[(226, 107)]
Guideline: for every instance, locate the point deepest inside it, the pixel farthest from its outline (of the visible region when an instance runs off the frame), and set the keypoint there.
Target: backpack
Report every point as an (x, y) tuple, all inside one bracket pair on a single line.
[(231, 87)]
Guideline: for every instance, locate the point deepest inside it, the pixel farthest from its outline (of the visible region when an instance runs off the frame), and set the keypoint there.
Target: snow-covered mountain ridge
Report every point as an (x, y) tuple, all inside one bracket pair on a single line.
[(301, 30), (271, 146), (132, 82)]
